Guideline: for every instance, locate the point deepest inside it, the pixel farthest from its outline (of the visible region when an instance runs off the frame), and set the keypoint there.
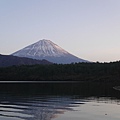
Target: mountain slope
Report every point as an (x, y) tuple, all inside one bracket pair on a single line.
[(46, 49), (9, 60)]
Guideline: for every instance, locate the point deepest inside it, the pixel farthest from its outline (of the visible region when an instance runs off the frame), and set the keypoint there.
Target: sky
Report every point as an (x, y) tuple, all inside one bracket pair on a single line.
[(89, 29)]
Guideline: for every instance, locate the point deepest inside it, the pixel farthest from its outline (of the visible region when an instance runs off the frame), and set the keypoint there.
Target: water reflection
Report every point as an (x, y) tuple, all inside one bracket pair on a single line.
[(49, 101), (35, 108)]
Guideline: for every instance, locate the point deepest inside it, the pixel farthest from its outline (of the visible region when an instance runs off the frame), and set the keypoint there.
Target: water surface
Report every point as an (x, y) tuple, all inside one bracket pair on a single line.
[(59, 101)]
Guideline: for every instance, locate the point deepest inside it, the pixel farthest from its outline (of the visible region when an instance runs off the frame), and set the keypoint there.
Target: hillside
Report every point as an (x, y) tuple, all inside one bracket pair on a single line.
[(82, 72), (9, 60)]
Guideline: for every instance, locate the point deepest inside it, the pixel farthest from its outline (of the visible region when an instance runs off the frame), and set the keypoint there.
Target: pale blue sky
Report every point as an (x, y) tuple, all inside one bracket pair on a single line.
[(89, 29)]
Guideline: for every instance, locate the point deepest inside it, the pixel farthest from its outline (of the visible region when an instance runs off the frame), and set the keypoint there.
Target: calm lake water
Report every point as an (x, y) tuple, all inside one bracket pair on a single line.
[(59, 101)]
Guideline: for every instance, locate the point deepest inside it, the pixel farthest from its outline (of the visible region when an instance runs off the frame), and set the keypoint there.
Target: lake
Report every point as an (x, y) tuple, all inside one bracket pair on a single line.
[(59, 101)]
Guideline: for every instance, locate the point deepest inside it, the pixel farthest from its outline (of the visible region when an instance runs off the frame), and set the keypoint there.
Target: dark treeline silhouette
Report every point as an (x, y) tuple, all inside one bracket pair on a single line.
[(95, 72)]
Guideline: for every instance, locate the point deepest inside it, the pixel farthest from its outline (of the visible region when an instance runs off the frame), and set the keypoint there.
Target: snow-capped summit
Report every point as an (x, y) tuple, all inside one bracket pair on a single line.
[(46, 49)]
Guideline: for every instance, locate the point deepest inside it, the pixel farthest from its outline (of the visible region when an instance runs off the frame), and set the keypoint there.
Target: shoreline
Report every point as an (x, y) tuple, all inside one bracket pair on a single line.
[(39, 81)]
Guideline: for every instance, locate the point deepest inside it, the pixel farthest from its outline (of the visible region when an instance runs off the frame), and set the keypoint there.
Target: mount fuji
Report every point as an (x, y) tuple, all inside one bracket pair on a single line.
[(46, 49)]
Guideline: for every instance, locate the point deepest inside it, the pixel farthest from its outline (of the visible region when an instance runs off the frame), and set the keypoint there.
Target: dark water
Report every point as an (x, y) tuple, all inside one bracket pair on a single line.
[(59, 101)]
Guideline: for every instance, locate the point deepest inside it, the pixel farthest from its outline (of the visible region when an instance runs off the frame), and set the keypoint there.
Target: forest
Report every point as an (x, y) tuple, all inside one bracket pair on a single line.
[(81, 72)]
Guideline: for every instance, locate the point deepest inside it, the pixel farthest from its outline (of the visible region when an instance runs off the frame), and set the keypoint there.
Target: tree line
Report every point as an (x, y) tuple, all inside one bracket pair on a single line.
[(95, 72)]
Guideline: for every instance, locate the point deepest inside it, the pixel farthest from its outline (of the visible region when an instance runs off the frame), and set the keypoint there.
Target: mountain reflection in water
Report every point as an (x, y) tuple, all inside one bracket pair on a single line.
[(48, 101), (34, 108)]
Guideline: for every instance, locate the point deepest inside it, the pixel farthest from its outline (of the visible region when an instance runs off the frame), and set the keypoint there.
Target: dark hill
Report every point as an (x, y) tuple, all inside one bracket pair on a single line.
[(9, 60)]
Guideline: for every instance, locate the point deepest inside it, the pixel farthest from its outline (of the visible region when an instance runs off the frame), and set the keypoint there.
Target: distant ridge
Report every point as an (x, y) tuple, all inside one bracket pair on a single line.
[(46, 49), (9, 60)]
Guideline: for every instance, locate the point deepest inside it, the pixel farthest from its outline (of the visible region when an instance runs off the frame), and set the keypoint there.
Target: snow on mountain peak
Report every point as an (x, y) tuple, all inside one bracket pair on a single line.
[(46, 49), (42, 48)]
